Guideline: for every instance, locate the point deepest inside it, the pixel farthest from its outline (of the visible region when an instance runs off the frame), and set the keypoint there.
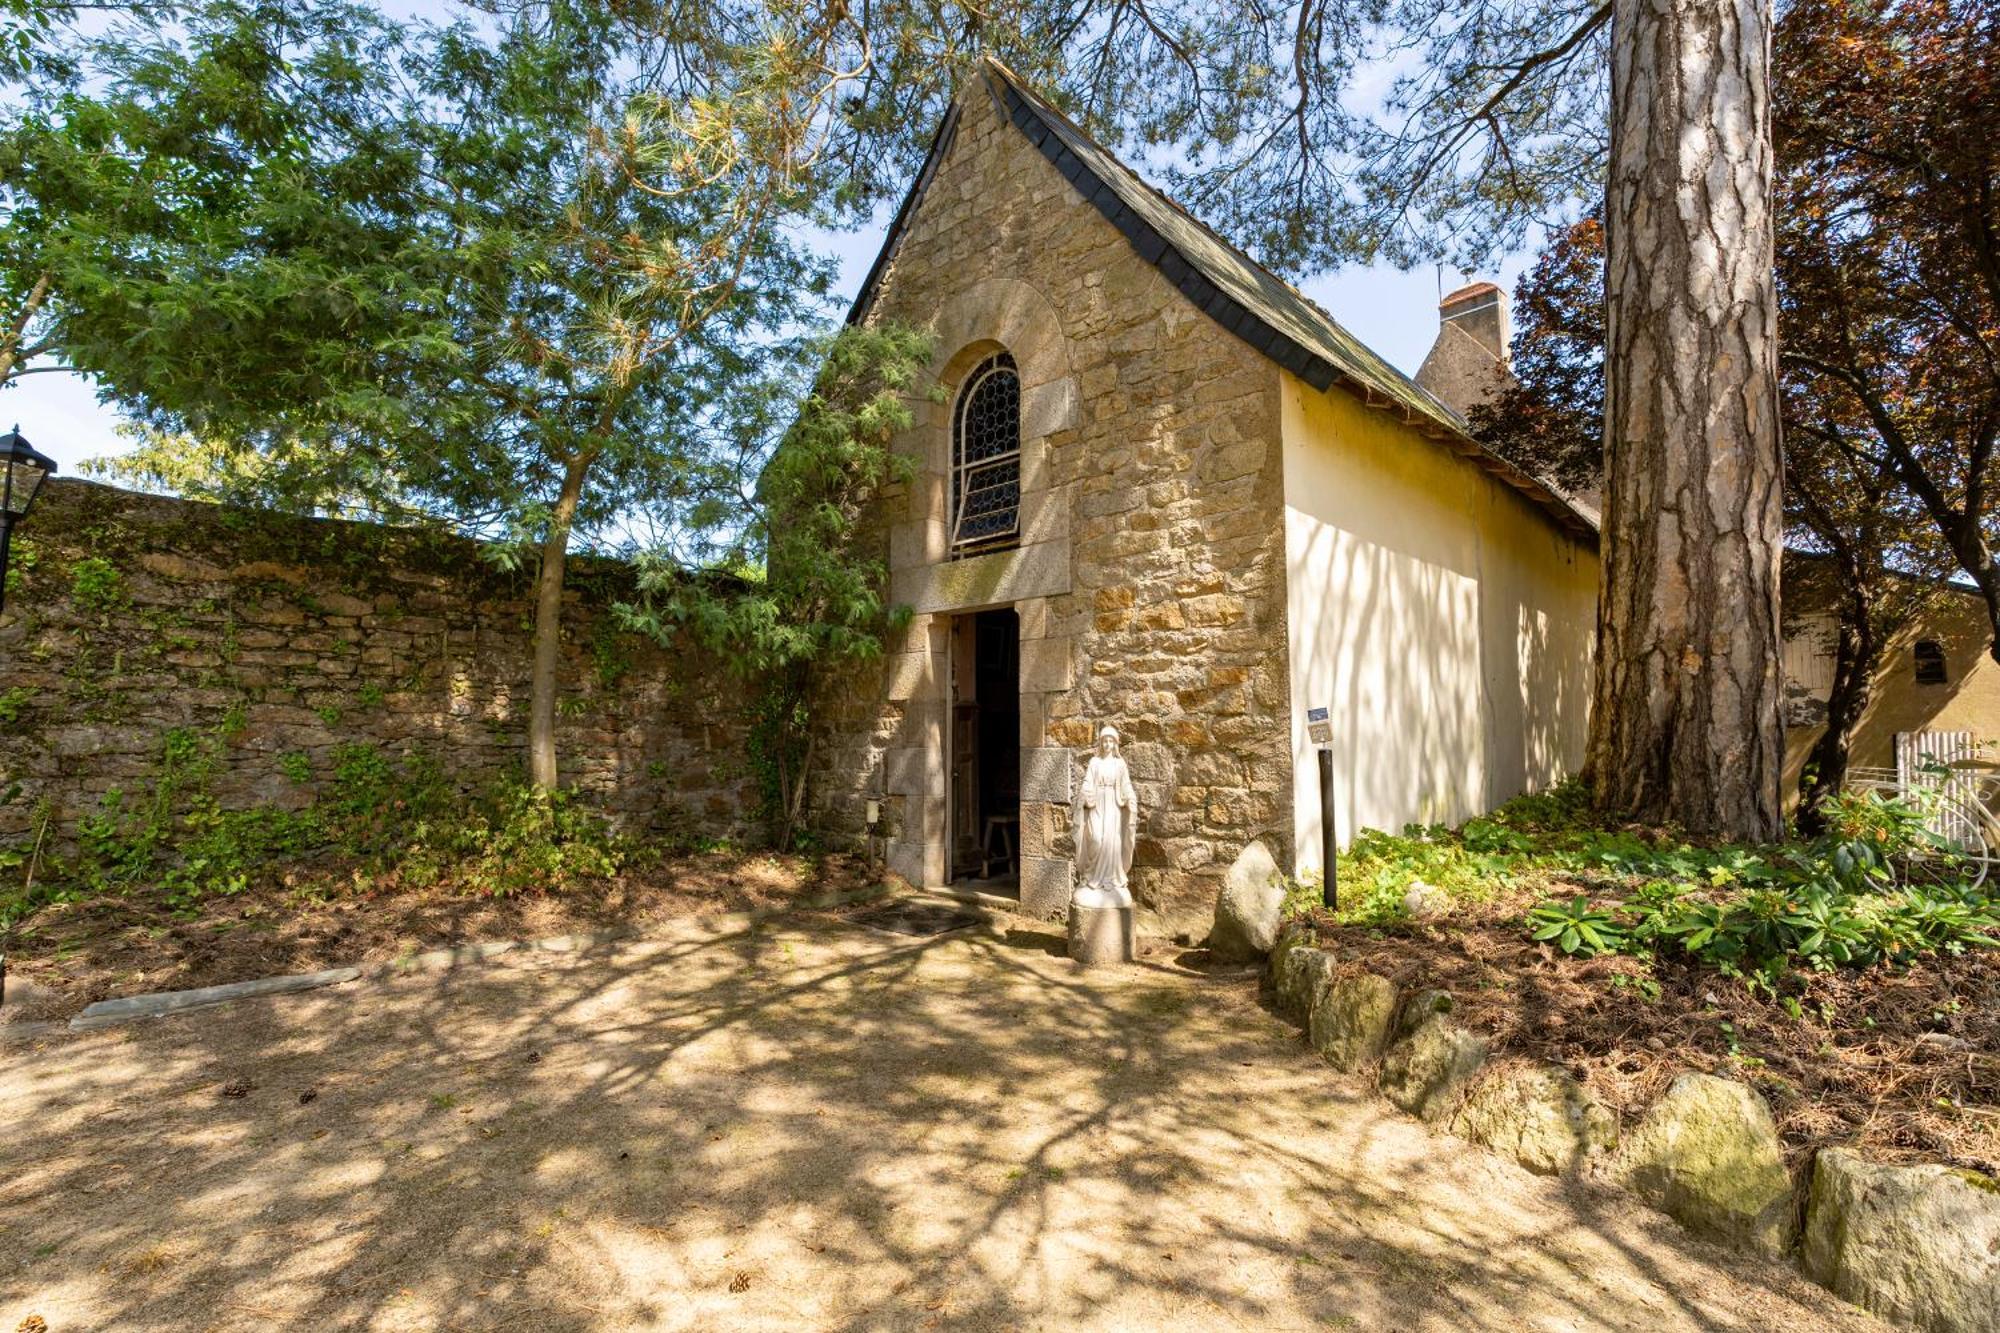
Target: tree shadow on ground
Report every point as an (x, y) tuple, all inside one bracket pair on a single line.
[(805, 1125)]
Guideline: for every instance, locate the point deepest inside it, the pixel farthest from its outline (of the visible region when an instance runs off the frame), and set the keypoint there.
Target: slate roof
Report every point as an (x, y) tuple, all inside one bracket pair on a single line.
[(1233, 289)]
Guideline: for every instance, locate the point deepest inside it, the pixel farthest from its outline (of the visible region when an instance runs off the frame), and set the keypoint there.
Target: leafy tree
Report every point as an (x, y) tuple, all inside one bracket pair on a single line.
[(796, 592), (774, 111), (1550, 417), (1892, 249), (1843, 505), (515, 311), (1886, 375)]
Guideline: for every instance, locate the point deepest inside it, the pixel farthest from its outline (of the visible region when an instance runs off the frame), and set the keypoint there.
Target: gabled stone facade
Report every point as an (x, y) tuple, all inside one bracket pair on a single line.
[(1231, 511), (1149, 580)]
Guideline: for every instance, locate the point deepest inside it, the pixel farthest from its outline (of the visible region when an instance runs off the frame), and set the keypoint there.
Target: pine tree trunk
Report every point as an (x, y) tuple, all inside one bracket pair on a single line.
[(1685, 725), (548, 627)]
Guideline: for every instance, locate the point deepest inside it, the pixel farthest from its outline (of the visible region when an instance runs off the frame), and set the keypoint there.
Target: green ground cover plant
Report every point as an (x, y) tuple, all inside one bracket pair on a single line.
[(380, 818), (1876, 888)]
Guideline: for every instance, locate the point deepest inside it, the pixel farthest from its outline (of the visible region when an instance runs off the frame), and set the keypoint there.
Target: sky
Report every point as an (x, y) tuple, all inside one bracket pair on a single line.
[(1394, 312)]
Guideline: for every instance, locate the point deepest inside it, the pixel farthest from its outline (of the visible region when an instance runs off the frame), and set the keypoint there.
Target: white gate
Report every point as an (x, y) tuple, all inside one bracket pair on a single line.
[(1936, 761)]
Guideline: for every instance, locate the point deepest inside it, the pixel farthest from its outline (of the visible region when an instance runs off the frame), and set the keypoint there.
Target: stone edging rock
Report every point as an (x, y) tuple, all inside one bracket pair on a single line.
[(1916, 1244)]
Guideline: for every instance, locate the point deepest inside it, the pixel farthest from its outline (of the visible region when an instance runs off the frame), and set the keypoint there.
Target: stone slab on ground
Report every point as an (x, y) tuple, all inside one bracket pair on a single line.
[(1539, 1116), (106, 1012), (1707, 1155), (1917, 1244), (1349, 1021)]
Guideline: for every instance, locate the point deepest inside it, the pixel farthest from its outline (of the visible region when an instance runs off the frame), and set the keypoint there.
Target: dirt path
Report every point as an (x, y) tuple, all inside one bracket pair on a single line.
[(811, 1126)]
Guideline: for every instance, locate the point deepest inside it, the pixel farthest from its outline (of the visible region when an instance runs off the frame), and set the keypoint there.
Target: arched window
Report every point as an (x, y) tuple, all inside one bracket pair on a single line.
[(986, 459)]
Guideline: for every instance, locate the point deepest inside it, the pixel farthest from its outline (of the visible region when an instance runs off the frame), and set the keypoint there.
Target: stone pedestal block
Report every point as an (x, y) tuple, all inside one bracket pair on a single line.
[(1099, 935)]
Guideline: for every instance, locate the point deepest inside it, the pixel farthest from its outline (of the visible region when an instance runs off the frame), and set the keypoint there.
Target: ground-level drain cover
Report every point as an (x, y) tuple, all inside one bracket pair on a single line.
[(917, 918)]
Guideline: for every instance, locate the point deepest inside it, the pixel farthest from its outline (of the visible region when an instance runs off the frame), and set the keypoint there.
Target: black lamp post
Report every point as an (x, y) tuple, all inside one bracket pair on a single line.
[(22, 471)]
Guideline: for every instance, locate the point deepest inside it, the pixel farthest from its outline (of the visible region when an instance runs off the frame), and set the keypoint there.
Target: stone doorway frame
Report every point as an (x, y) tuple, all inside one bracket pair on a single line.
[(998, 314)]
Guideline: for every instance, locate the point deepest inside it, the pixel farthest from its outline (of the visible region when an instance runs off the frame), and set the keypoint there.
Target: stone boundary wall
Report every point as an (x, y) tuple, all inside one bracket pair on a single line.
[(130, 616)]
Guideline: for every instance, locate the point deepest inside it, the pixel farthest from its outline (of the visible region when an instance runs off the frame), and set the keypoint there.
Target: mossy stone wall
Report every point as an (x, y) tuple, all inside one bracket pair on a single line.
[(129, 617)]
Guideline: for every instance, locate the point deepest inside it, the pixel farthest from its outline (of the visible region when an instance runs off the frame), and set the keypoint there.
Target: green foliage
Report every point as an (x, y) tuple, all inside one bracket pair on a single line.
[(390, 818), (1847, 899), (1763, 933), (1576, 927), (798, 596), (22, 557), (94, 584), (1758, 913), (1378, 869), (296, 765), (13, 702)]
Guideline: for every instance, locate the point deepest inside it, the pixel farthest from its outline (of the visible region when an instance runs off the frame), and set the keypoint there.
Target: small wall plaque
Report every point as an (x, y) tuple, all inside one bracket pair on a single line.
[(1319, 726)]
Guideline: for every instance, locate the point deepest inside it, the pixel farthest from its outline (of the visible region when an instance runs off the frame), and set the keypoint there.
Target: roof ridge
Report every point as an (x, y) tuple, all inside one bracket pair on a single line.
[(1221, 280), (1044, 105)]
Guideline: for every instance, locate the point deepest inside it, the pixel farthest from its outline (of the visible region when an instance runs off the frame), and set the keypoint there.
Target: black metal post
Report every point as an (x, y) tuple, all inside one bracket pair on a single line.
[(1329, 893), (6, 540)]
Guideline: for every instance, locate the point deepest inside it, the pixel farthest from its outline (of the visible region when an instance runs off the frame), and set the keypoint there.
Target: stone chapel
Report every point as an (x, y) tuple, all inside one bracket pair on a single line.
[(1168, 493)]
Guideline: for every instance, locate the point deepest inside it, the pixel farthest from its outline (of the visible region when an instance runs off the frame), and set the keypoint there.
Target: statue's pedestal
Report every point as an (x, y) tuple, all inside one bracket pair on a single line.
[(1100, 935)]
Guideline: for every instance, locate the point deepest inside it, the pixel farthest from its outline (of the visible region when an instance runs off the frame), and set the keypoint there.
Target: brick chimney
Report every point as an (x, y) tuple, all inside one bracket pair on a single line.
[(1469, 362)]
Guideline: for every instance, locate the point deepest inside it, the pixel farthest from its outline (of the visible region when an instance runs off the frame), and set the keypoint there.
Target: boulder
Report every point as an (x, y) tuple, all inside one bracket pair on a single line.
[(1420, 1006), (1427, 1072), (1425, 902), (1707, 1154), (1349, 1021), (1248, 907), (1916, 1244), (1306, 972), (1537, 1115)]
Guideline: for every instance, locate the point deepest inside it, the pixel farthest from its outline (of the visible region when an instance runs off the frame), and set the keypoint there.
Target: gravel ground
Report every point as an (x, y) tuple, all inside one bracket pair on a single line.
[(811, 1125)]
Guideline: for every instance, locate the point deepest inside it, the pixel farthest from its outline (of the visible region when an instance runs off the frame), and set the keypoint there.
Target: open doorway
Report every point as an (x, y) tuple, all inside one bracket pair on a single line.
[(986, 751)]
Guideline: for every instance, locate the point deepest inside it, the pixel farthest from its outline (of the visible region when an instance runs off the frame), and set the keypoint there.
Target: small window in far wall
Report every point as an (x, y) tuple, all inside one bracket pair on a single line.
[(1930, 662)]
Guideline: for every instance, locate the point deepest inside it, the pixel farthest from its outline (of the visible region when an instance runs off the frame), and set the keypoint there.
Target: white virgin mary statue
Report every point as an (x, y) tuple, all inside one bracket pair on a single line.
[(1106, 817)]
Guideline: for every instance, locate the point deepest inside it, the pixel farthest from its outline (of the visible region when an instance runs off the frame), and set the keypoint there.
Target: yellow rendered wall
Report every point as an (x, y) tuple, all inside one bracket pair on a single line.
[(1969, 700), (1446, 623)]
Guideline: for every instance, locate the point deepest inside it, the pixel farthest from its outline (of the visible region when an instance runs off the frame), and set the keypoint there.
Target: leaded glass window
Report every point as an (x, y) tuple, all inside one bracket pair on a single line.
[(986, 459)]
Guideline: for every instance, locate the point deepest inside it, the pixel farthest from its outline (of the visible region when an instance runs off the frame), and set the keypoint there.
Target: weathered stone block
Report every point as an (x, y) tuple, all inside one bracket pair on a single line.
[(1045, 886), (906, 676), (1305, 971), (1041, 570), (1047, 664), (1102, 935), (1707, 1154), (1916, 1244), (1539, 1116), (1420, 1007), (1049, 407), (1046, 774), (1349, 1021), (1427, 1072)]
